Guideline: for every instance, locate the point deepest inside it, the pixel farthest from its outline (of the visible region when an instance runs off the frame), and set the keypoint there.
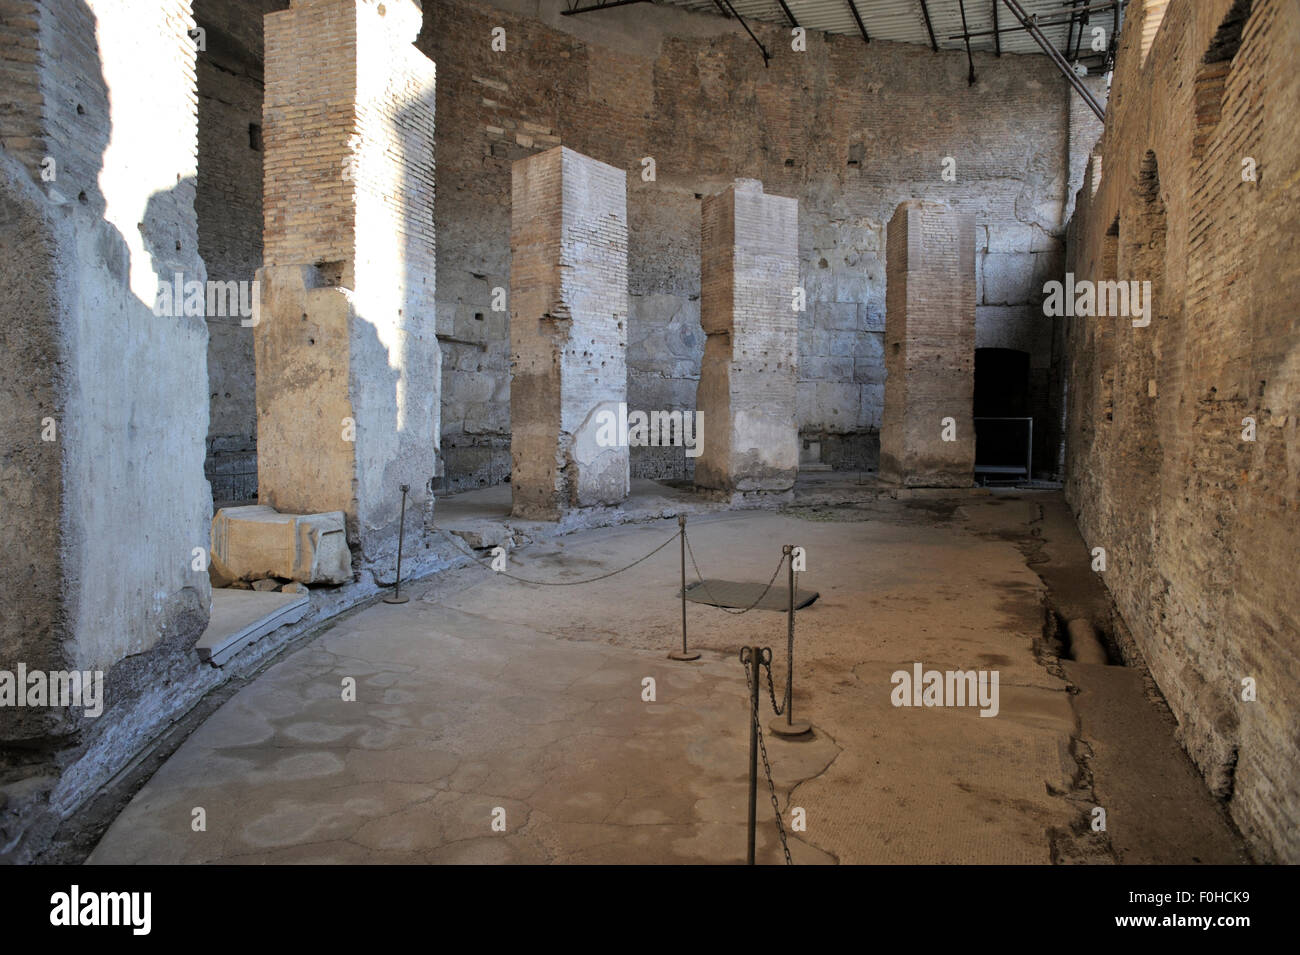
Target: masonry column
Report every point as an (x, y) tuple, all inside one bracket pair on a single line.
[(749, 266), (927, 434), (568, 333), (348, 366)]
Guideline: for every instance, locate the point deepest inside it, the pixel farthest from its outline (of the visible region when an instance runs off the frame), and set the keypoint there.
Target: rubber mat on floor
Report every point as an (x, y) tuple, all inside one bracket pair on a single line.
[(730, 593)]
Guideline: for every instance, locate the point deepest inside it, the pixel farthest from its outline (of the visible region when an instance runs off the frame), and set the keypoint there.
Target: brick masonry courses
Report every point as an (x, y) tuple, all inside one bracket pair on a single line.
[(347, 360), (1200, 527), (928, 434), (229, 206), (848, 130), (748, 378), (568, 332), (690, 91)]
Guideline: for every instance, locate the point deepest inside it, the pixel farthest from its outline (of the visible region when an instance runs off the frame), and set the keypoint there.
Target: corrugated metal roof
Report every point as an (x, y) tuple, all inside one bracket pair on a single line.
[(904, 20)]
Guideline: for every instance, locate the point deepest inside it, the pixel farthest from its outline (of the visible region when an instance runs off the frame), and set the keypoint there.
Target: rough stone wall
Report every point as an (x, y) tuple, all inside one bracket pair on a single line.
[(568, 332), (848, 129), (102, 520), (1199, 525), (748, 379), (33, 622), (117, 220), (348, 365), (929, 348)]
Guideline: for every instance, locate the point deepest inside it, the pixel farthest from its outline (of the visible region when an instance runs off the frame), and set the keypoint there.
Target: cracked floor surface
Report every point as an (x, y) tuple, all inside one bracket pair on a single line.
[(485, 697)]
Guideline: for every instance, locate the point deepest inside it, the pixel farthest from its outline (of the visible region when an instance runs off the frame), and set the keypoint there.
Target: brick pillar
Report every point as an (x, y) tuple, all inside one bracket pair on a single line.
[(749, 266), (568, 332), (348, 365), (929, 347)]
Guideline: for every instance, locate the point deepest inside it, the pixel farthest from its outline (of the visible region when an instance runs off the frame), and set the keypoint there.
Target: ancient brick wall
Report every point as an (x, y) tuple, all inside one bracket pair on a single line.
[(1199, 524), (228, 202), (849, 130)]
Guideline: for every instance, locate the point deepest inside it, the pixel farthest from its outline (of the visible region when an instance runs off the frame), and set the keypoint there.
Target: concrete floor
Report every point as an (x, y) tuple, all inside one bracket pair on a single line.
[(483, 694)]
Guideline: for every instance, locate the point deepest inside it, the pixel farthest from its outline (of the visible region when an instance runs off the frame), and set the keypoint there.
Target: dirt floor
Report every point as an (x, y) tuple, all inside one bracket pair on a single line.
[(501, 721)]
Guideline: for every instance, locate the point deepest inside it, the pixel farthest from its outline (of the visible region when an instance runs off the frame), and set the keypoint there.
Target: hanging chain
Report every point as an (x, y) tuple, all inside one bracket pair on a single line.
[(780, 709), (549, 583), (714, 599), (767, 766), (771, 692)]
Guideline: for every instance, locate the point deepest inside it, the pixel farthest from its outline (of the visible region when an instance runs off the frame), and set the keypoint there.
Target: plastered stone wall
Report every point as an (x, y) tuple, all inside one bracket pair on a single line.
[(123, 385), (748, 378), (102, 521), (568, 333), (1199, 525), (347, 359), (929, 348)]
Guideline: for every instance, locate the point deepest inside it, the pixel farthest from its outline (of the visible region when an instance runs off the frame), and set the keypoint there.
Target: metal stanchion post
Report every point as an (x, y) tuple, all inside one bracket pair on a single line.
[(755, 660), (788, 726), (397, 597), (683, 653)]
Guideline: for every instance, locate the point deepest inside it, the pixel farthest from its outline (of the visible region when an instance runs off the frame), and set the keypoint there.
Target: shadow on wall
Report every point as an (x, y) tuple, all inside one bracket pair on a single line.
[(420, 356), (399, 342)]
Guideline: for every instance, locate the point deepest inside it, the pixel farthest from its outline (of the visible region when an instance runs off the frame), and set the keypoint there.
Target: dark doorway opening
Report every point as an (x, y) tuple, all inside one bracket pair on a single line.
[(1003, 426)]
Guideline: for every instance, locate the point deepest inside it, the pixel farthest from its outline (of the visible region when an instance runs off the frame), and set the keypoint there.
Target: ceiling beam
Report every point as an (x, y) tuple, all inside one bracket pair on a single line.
[(1062, 64), (788, 15), (970, 61), (1053, 21), (1069, 37), (997, 37), (858, 17), (929, 27), (606, 5), (762, 49)]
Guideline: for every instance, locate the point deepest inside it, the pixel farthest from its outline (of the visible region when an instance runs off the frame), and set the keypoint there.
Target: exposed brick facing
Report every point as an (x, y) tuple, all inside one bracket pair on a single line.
[(568, 331), (748, 379), (1200, 526)]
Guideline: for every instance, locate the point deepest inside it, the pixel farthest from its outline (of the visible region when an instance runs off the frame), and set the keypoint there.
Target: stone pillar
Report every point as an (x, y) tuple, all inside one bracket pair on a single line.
[(568, 333), (929, 347), (348, 365), (749, 267)]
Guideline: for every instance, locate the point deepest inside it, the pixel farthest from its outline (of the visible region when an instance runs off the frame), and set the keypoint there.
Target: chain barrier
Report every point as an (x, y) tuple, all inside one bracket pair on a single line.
[(548, 583), (762, 748), (761, 663), (730, 610), (771, 692)]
